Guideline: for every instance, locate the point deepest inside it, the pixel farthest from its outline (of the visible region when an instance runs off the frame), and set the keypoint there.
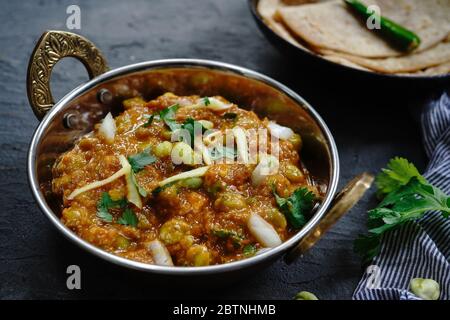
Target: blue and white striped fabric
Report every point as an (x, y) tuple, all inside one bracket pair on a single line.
[(419, 249)]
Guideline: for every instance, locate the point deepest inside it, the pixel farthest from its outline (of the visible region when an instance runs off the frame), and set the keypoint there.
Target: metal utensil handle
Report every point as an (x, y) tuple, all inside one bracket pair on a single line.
[(342, 203), (51, 48)]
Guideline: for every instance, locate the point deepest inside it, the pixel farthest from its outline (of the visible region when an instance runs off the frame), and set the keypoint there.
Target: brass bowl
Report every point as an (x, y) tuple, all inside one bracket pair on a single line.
[(64, 122)]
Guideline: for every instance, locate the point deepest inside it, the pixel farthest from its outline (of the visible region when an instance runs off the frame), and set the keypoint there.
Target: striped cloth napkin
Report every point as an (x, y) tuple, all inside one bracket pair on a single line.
[(419, 249)]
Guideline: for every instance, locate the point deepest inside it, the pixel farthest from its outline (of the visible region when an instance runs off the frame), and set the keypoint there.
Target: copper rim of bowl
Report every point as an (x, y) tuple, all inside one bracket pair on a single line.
[(186, 63)]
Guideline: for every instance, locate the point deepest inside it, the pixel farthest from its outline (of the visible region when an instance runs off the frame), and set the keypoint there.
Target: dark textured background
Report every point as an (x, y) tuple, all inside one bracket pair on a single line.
[(371, 124)]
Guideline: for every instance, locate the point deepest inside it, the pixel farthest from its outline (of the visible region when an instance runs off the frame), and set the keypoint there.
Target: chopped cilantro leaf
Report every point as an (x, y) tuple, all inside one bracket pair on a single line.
[(149, 121), (128, 218), (235, 237), (168, 116), (249, 250), (296, 207), (191, 125), (105, 215), (140, 160), (105, 203)]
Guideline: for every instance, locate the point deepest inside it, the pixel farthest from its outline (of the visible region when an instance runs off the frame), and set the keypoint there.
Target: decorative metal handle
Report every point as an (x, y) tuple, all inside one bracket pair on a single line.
[(51, 48), (342, 203)]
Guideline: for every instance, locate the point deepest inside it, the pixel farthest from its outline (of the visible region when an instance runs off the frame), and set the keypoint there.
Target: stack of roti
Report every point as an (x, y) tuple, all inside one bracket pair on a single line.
[(331, 29)]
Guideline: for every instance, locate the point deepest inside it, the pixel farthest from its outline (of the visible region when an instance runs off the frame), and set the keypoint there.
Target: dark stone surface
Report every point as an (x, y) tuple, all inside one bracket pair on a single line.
[(371, 124)]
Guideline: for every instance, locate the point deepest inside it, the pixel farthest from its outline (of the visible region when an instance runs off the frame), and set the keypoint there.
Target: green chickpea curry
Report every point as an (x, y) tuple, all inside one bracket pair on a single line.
[(134, 190)]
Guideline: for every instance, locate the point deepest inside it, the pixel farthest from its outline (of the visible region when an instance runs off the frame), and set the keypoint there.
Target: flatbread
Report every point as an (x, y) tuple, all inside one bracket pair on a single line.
[(434, 71), (433, 57), (299, 2), (332, 25), (341, 60), (267, 9)]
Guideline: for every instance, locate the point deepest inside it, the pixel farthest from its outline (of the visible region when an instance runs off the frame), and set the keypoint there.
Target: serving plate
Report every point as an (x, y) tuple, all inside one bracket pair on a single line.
[(312, 59), (64, 122)]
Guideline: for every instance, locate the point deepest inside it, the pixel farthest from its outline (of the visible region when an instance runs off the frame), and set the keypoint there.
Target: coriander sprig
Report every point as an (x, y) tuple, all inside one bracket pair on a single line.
[(407, 196)]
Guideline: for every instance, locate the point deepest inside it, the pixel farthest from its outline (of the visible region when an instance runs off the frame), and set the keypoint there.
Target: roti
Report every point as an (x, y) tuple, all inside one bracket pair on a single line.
[(437, 70), (332, 25), (433, 57), (267, 10), (345, 62)]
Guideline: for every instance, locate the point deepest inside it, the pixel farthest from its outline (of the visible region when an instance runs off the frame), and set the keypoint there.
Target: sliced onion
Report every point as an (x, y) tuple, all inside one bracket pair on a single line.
[(108, 128), (241, 144), (280, 132), (132, 192), (263, 231), (217, 105), (267, 166), (161, 255), (96, 184), (214, 104), (183, 102), (199, 172)]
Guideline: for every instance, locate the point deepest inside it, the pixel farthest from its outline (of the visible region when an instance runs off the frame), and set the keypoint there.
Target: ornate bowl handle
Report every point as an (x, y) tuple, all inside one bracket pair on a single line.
[(51, 48), (342, 203)]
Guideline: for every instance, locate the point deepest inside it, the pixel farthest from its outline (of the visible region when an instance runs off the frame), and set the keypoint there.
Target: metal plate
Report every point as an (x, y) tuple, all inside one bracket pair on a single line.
[(289, 49)]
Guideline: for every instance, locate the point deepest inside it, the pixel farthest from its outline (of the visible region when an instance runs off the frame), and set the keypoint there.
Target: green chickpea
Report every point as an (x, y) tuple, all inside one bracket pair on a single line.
[(182, 153), (271, 180), (214, 188), (133, 102), (296, 141), (173, 231), (169, 193), (198, 255), (229, 200), (144, 223), (207, 124), (192, 183), (163, 149), (71, 215), (293, 173), (427, 289), (305, 295), (187, 241), (122, 243), (167, 134), (277, 219), (117, 193)]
